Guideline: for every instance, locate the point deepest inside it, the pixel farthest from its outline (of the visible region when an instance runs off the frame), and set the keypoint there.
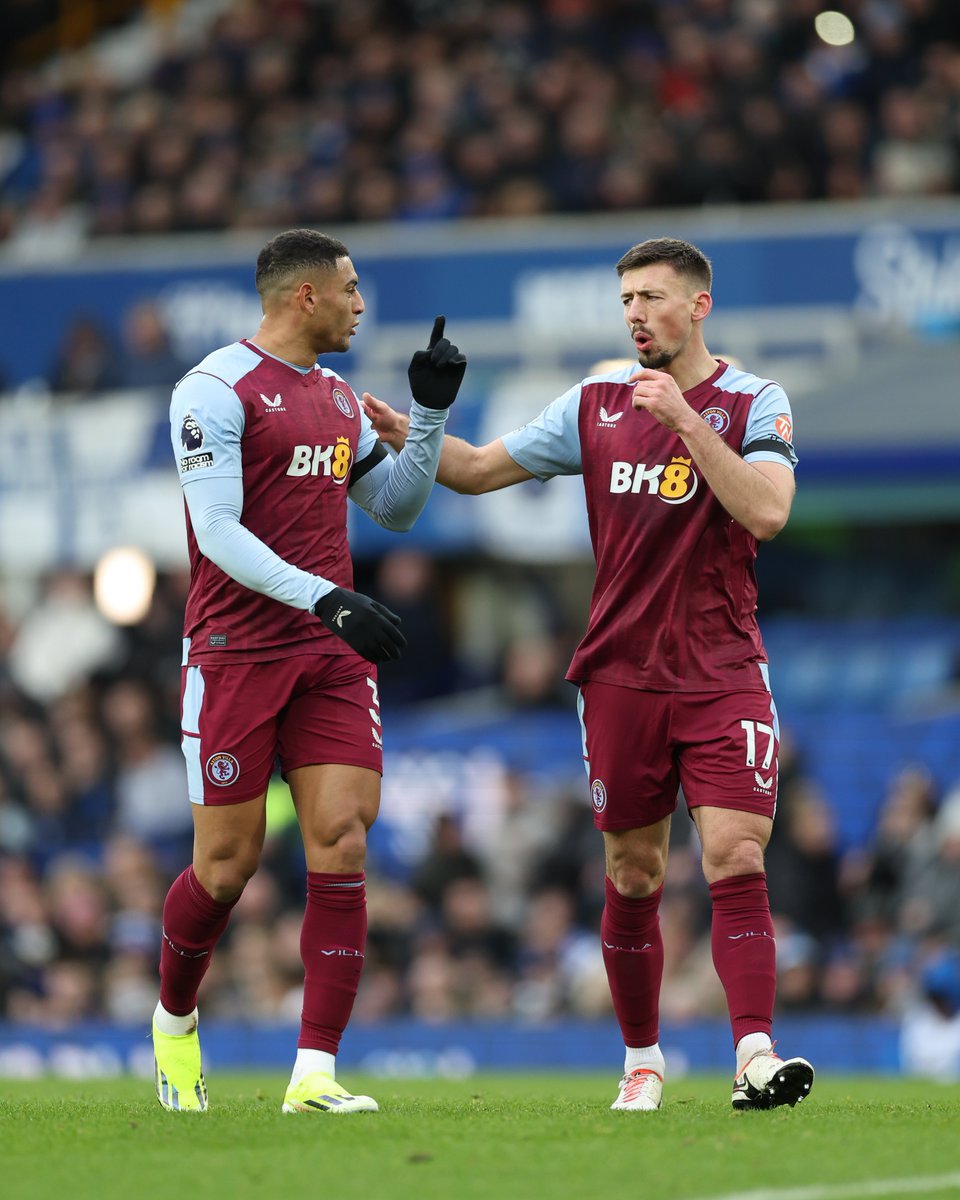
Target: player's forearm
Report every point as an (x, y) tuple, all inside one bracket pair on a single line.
[(455, 469), (403, 486), (458, 468), (747, 495)]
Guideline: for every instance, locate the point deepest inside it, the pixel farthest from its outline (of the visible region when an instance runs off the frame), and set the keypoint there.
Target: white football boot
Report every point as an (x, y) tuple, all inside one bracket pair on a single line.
[(767, 1081), (640, 1091)]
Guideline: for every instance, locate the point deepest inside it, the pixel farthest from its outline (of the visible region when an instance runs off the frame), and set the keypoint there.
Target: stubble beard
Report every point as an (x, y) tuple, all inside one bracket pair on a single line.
[(656, 360)]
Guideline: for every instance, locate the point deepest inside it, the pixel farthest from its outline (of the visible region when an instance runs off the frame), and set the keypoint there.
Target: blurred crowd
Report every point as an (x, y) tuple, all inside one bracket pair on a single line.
[(489, 918), (294, 112)]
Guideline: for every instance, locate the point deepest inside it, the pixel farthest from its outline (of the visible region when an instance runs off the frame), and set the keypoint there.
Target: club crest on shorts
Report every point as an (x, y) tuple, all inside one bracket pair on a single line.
[(342, 401), (222, 768), (598, 794)]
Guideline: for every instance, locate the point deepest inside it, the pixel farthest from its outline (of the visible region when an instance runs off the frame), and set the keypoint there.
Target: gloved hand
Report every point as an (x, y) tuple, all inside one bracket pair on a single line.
[(436, 373), (366, 626)]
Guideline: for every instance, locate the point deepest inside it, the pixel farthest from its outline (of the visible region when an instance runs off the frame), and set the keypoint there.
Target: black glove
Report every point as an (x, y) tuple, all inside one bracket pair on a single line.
[(366, 626), (436, 373)]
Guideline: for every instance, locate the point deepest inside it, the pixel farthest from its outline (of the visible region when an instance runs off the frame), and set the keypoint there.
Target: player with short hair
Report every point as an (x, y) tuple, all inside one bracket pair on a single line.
[(687, 464), (279, 651)]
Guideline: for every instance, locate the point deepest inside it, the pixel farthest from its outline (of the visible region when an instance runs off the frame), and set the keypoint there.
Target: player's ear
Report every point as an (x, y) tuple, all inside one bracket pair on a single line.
[(306, 296), (702, 304)]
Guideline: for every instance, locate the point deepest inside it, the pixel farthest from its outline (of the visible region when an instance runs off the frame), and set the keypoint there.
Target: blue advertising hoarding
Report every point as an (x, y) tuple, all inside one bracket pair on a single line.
[(534, 304), (539, 278)]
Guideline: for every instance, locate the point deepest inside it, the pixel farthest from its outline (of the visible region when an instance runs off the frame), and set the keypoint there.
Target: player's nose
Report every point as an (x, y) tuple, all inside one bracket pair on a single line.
[(636, 312)]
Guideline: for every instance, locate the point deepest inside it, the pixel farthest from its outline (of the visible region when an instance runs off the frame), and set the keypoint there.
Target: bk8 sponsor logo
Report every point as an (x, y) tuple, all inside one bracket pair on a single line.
[(332, 460), (673, 482)]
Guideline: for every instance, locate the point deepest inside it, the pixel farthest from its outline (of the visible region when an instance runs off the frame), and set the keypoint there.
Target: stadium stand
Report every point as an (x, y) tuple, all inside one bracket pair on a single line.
[(208, 116)]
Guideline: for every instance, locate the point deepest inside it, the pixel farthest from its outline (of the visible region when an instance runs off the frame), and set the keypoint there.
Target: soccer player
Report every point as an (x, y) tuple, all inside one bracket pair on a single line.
[(687, 464), (279, 651)]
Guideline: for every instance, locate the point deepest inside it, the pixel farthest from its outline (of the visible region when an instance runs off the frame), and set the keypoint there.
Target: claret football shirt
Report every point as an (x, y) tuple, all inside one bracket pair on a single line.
[(675, 596), (294, 437)]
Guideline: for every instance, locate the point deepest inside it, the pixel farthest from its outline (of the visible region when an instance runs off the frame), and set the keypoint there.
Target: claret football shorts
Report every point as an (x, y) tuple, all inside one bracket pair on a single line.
[(237, 719), (640, 748)]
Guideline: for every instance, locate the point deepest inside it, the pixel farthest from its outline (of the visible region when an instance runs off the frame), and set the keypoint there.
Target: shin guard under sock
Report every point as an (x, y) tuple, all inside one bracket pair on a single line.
[(745, 951), (332, 943), (633, 957), (192, 924)]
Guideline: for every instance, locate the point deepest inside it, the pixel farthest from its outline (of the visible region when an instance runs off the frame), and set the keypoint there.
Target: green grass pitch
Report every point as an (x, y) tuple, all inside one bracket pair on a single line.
[(490, 1136)]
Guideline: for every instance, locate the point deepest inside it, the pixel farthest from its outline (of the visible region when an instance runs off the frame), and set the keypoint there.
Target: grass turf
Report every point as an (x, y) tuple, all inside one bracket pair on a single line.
[(501, 1136)]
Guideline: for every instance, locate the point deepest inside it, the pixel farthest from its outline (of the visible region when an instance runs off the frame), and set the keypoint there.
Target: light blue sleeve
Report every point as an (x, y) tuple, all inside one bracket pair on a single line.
[(215, 504), (206, 425), (768, 436), (396, 490), (550, 444)]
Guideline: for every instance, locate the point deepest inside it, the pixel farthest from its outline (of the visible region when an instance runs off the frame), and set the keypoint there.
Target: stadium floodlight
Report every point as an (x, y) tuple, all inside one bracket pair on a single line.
[(123, 584), (834, 28)]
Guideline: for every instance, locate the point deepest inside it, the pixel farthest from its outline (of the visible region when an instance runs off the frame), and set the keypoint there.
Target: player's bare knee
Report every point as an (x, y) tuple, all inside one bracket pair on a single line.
[(739, 858), (225, 878), (343, 847), (634, 880), (224, 884)]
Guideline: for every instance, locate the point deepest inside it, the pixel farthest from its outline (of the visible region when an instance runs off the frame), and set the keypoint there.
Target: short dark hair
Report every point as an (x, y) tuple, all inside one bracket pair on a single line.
[(297, 250), (685, 258)]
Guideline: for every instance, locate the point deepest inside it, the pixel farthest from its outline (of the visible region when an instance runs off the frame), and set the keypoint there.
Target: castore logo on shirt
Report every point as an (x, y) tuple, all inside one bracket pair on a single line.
[(608, 420)]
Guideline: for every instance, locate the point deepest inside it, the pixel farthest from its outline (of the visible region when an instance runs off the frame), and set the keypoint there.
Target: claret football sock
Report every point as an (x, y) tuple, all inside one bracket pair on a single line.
[(192, 924), (745, 951), (633, 957), (332, 943)]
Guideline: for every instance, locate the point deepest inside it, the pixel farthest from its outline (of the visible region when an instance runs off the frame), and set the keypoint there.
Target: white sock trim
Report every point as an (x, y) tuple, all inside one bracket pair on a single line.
[(313, 1060), (171, 1024), (749, 1045), (643, 1056)]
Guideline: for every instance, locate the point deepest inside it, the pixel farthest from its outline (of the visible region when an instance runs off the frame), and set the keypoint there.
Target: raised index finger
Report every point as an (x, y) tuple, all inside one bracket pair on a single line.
[(437, 333)]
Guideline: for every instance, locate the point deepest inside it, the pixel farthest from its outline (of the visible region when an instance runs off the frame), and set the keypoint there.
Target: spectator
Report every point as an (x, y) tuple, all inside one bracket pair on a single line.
[(86, 362), (803, 865), (930, 1032), (148, 359), (151, 780), (407, 583), (877, 878), (931, 901), (446, 861), (64, 616)]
